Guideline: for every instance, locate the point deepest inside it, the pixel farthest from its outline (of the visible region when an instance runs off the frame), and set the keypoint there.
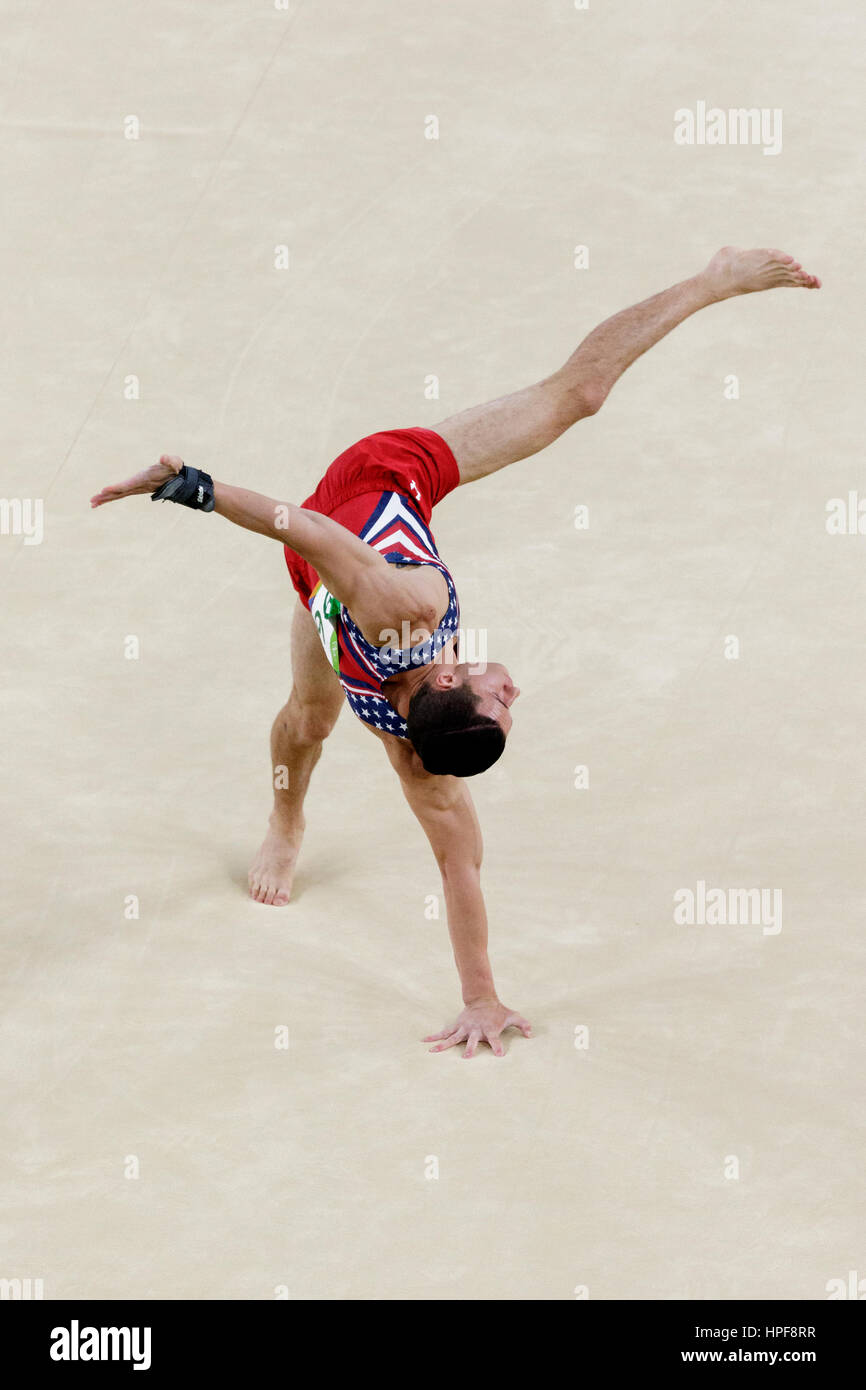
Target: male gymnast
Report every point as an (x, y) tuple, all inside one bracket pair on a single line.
[(378, 617)]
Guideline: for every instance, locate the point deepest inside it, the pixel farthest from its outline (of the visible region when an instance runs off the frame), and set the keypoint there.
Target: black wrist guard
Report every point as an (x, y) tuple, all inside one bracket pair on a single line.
[(191, 488)]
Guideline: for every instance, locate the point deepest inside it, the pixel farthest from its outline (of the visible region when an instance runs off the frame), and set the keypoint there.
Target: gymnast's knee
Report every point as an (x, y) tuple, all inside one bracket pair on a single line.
[(309, 722), (576, 400)]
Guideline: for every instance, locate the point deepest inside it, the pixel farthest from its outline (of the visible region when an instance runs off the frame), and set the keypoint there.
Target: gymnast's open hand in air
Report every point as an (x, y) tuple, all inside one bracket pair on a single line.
[(149, 480)]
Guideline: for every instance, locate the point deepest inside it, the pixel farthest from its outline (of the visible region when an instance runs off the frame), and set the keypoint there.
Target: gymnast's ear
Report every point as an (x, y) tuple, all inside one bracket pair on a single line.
[(444, 678)]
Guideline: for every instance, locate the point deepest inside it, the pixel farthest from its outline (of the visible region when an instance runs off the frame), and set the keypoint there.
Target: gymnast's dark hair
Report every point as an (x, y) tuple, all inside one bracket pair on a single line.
[(448, 733)]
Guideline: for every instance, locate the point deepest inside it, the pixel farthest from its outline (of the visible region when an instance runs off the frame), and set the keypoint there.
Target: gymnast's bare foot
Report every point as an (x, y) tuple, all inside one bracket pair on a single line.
[(733, 271), (273, 870)]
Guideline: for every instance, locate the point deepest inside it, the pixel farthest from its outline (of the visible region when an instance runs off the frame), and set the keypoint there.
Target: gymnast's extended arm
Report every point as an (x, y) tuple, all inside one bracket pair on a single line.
[(380, 596)]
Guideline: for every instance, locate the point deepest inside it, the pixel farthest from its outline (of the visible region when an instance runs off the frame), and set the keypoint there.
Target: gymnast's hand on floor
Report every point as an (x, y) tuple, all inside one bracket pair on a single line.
[(149, 480), (482, 1021)]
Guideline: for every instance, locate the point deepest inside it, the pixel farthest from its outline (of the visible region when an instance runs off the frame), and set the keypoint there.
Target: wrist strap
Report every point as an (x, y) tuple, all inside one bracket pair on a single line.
[(191, 488)]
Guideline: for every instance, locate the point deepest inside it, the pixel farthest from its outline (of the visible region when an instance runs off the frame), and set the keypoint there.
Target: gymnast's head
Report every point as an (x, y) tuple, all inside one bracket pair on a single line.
[(459, 717)]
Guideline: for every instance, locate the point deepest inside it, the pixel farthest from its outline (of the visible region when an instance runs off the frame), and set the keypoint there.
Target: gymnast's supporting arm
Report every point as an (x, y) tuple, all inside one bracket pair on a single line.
[(444, 810)]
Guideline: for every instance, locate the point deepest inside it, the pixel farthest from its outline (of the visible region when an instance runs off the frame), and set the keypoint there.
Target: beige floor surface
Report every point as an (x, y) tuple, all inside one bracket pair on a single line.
[(708, 1141)]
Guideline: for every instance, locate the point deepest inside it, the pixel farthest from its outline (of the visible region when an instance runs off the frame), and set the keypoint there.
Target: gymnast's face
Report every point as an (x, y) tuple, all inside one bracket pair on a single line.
[(495, 689)]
